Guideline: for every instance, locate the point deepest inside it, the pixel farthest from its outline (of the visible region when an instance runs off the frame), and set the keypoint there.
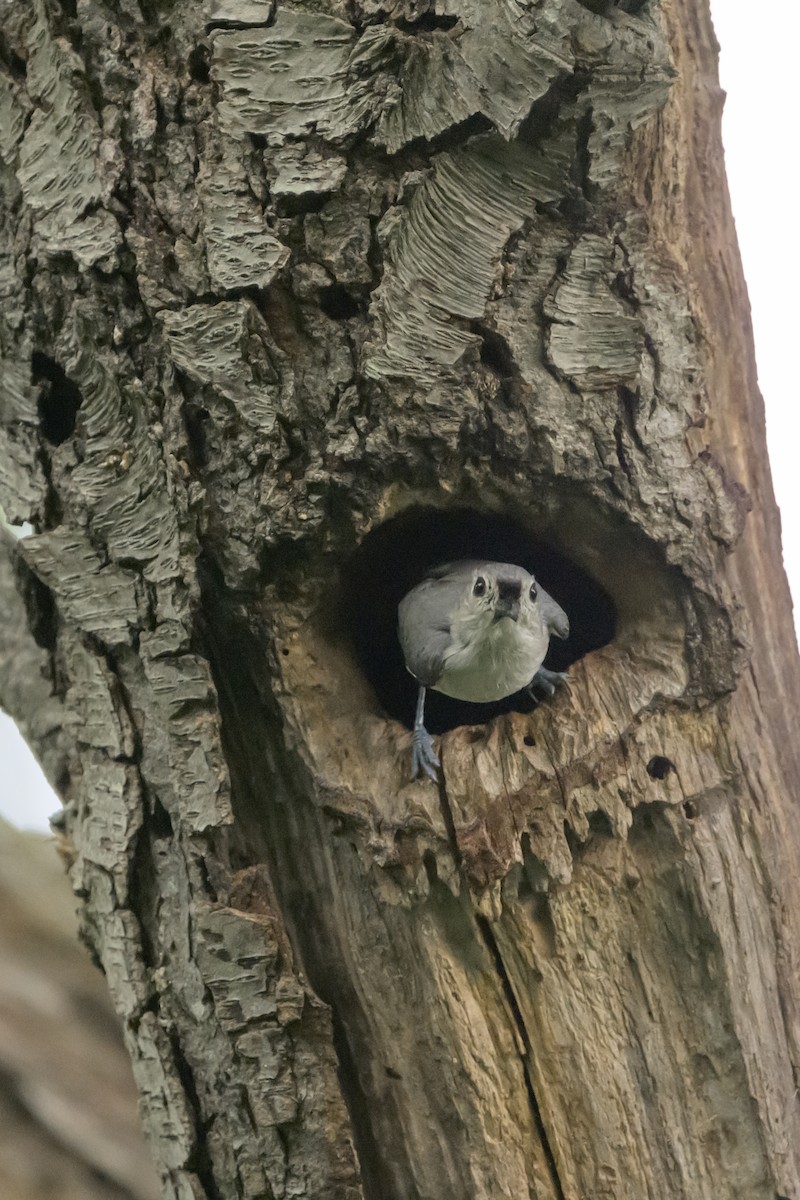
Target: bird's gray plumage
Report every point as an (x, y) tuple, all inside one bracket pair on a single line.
[(424, 621), (478, 631), (554, 616)]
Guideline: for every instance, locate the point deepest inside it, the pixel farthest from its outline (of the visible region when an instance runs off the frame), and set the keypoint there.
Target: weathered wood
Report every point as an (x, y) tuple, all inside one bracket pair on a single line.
[(313, 270)]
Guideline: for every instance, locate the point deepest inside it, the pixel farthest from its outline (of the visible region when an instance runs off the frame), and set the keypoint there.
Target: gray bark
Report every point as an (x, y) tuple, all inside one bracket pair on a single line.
[(273, 278)]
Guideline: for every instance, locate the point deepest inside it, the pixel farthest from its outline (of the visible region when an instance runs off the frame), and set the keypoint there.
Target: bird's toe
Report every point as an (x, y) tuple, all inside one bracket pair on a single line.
[(423, 755)]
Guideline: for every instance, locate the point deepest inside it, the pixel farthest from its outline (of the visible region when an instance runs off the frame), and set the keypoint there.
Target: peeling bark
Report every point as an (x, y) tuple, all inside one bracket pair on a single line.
[(297, 301)]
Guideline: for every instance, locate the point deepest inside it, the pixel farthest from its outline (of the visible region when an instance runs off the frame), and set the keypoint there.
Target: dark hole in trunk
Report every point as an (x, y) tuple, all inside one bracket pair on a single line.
[(59, 399), (339, 304), (659, 767), (396, 556)]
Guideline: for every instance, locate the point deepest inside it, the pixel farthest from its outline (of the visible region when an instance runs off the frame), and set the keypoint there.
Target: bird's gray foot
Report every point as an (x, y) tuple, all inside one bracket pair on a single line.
[(547, 681), (423, 755)]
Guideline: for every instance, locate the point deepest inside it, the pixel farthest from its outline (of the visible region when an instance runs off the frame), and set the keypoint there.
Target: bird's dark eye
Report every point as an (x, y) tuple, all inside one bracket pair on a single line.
[(534, 592), (480, 586)]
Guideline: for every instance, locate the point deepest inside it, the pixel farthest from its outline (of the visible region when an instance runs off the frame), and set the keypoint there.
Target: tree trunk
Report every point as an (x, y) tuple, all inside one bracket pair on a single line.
[(297, 301)]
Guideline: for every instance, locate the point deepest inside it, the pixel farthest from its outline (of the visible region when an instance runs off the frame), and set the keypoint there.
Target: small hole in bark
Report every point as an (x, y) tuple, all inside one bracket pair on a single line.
[(306, 202), (599, 823), (528, 740), (690, 810), (162, 823), (198, 65), (397, 555), (495, 351), (390, 1071), (285, 652), (59, 399), (659, 767), (196, 419), (337, 303)]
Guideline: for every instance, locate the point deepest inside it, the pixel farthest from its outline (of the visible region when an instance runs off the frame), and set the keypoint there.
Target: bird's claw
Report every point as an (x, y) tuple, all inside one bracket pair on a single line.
[(547, 681), (423, 755)]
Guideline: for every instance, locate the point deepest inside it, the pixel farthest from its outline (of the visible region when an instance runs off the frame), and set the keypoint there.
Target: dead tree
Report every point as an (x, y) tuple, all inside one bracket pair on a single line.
[(297, 300)]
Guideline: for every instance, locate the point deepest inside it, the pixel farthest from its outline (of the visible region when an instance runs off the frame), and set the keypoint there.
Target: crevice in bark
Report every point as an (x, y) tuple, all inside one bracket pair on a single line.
[(302, 204), (39, 604), (629, 403), (453, 138), (195, 418), (199, 1159), (622, 457), (449, 824), (358, 1106), (59, 399), (545, 112), (198, 64), (602, 8), (17, 66), (427, 23), (583, 158), (144, 895), (599, 7), (576, 845), (496, 353), (494, 950)]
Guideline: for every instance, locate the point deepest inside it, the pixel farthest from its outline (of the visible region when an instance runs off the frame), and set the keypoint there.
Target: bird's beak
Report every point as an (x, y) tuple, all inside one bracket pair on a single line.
[(506, 606), (561, 630)]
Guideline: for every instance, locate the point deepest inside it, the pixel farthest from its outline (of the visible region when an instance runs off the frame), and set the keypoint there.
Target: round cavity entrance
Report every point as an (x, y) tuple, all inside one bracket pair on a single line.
[(397, 555)]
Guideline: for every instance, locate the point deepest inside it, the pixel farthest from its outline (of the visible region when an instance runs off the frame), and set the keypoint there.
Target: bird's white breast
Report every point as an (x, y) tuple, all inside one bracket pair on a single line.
[(492, 661)]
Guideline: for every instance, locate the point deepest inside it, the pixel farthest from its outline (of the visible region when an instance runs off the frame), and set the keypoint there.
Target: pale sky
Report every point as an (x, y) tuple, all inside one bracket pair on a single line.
[(758, 72)]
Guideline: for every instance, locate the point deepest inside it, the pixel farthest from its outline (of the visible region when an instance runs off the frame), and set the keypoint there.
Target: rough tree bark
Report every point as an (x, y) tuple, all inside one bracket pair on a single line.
[(295, 299)]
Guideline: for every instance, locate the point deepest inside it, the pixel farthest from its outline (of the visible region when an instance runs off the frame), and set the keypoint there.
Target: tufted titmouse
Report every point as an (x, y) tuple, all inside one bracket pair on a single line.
[(476, 631)]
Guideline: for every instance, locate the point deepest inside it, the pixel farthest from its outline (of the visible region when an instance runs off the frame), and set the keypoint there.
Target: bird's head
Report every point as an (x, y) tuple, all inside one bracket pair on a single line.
[(496, 592), (483, 594)]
